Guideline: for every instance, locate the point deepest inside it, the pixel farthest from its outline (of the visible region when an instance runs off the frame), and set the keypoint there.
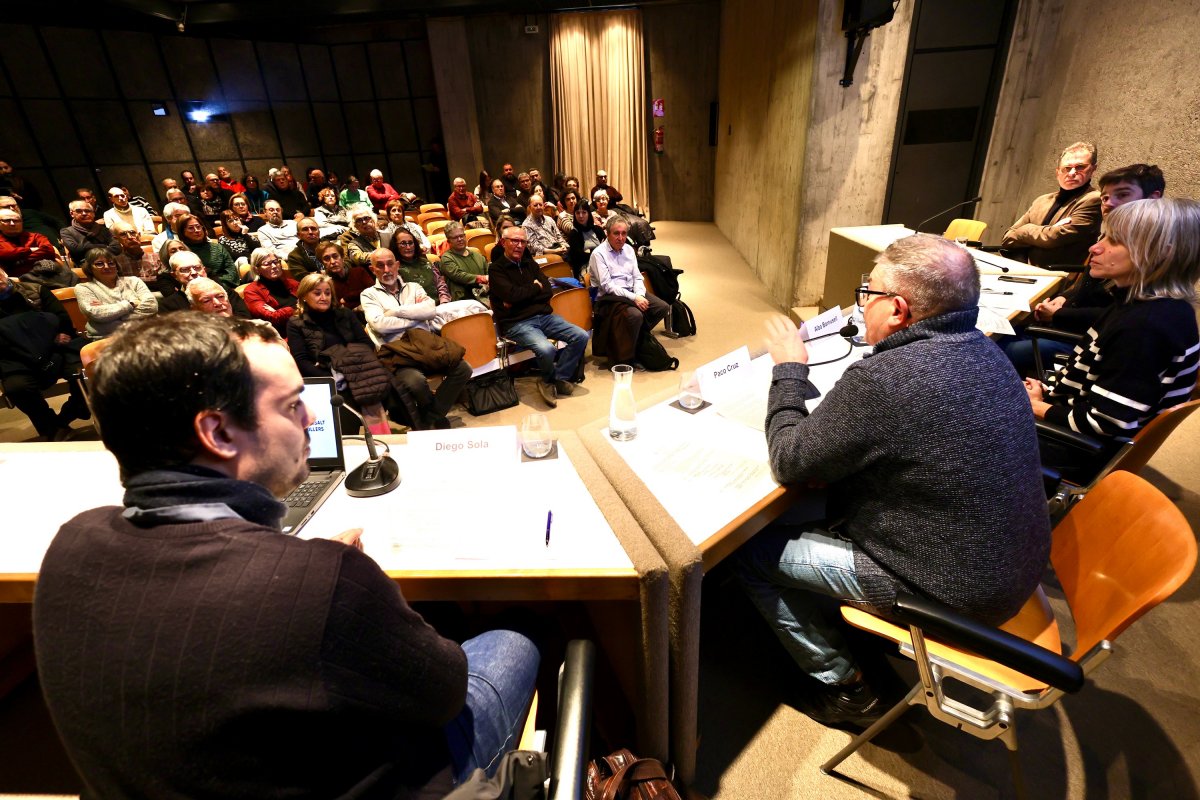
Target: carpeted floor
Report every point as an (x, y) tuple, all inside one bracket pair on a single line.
[(1133, 732)]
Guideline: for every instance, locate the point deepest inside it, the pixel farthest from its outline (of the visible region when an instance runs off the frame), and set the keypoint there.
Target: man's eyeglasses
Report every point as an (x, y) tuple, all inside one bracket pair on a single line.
[(862, 294), (521, 242), (269, 262), (1076, 168)]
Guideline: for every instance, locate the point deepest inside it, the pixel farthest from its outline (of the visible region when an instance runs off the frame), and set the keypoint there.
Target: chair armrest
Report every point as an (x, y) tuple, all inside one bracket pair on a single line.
[(1011, 651), (1057, 334), (1060, 435), (568, 761)]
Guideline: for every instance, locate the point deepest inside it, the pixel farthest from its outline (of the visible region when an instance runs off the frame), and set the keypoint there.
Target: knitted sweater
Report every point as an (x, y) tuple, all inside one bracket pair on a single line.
[(931, 456), (224, 659), (1138, 360)]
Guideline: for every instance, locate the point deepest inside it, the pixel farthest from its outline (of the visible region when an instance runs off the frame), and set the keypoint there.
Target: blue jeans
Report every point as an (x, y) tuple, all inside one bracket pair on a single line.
[(1019, 350), (781, 568), (535, 333), (501, 671)]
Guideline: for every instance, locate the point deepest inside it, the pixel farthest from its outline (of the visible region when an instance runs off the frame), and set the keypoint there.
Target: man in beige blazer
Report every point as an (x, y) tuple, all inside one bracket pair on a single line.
[(1060, 226)]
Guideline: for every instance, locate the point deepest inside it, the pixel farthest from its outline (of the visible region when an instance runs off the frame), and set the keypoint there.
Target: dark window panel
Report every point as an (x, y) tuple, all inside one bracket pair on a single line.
[(281, 70), (238, 69), (16, 143), (318, 71), (365, 136), (79, 60), (332, 127), (420, 67), (161, 137), (68, 179), (259, 167), (52, 127), (387, 67), (168, 169), (353, 76), (296, 128), (191, 68), (398, 124), (26, 62), (212, 140), (429, 123), (105, 130), (408, 175), (255, 130), (132, 175), (139, 67)]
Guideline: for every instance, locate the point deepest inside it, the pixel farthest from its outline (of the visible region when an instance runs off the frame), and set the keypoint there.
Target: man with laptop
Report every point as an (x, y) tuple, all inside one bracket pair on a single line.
[(187, 647)]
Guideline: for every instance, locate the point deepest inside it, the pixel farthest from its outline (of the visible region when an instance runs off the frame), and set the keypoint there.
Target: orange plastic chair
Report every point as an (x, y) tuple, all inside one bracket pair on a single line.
[(1120, 551), (436, 225), (424, 218), (557, 269), (479, 237), (970, 229), (476, 333), (575, 306), (66, 296), (432, 207), (88, 355)]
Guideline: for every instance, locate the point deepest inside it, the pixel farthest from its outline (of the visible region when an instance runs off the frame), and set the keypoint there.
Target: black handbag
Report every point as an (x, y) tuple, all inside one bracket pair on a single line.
[(492, 391)]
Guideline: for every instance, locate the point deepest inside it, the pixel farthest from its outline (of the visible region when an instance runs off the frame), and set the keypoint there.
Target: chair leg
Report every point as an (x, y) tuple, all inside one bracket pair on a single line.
[(1009, 737), (877, 728)]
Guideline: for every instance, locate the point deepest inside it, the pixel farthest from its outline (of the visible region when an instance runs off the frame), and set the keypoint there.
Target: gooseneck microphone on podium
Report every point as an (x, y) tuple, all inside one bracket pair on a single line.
[(975, 199), (378, 474)]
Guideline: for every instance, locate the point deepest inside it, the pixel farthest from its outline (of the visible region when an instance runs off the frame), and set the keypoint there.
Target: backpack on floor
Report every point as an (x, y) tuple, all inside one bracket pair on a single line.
[(653, 356), (681, 321), (664, 279)]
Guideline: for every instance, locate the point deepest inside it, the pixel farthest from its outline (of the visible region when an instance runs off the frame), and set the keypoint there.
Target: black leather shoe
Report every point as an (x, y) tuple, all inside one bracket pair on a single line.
[(845, 704), (549, 393), (564, 388)]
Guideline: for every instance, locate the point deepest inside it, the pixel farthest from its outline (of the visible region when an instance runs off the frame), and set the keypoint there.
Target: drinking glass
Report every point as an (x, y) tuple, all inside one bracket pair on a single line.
[(535, 436), (689, 390)]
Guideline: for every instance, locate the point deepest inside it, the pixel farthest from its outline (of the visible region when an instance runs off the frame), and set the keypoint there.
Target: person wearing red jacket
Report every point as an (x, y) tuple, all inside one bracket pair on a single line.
[(272, 296), (21, 250)]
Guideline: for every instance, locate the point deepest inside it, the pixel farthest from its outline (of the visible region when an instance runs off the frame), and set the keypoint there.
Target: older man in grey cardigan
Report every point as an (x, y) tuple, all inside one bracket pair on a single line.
[(931, 460)]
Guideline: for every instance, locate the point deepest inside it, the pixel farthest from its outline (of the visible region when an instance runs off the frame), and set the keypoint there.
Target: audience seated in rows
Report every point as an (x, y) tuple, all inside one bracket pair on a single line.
[(38, 347), (109, 300)]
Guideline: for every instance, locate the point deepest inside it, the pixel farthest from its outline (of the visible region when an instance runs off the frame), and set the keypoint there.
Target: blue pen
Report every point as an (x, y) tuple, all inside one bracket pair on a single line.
[(549, 519)]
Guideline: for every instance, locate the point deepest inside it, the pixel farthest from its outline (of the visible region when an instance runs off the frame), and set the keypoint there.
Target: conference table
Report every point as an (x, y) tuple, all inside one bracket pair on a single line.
[(458, 528), (700, 486)]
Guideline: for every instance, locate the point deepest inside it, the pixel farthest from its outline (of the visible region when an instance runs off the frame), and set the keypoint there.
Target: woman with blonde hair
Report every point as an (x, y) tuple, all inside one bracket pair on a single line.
[(1140, 357), (326, 339)]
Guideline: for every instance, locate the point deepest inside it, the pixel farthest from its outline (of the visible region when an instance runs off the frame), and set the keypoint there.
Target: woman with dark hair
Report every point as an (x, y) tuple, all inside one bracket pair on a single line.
[(584, 237), (566, 210), (217, 260), (255, 194), (1140, 357), (236, 239), (326, 339), (210, 206), (107, 300), (415, 267)]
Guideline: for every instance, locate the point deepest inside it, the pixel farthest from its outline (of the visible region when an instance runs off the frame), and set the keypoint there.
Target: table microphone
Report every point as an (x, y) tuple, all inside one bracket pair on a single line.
[(378, 474), (975, 199)]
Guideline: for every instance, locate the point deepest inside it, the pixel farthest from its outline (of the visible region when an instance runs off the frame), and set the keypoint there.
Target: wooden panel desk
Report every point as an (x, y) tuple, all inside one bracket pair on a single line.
[(598, 554)]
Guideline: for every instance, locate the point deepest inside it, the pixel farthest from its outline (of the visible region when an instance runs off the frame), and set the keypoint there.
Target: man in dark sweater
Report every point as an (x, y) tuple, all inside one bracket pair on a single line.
[(931, 459), (187, 648), (521, 307)]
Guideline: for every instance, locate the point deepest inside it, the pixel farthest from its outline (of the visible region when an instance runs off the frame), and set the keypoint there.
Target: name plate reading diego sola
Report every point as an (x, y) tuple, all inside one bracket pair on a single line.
[(470, 449)]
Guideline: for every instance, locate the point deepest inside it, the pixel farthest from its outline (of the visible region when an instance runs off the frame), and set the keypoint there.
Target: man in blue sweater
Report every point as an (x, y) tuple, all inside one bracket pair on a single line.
[(929, 451)]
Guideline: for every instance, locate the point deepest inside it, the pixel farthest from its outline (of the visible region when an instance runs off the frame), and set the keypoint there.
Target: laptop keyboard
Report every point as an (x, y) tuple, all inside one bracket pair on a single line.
[(305, 493)]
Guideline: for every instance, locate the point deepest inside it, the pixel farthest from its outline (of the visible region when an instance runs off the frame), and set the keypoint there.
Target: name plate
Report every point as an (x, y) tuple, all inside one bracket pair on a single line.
[(466, 448), (726, 375), (827, 322)]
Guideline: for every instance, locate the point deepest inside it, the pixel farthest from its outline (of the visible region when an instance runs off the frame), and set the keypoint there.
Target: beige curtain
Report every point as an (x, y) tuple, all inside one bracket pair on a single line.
[(598, 97)]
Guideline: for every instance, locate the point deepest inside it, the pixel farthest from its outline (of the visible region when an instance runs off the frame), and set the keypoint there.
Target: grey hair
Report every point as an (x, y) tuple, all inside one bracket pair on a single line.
[(359, 214), (453, 229), (1163, 240), (177, 258), (202, 285), (260, 253), (599, 192), (614, 222), (1086, 147), (933, 274)]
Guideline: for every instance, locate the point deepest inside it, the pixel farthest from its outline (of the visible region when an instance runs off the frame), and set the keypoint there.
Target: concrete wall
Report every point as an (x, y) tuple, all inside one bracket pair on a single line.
[(682, 41), (76, 105), (797, 153), (1121, 75)]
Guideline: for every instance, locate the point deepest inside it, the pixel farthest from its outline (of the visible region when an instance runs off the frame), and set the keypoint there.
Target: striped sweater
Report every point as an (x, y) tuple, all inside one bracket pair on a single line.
[(1137, 360)]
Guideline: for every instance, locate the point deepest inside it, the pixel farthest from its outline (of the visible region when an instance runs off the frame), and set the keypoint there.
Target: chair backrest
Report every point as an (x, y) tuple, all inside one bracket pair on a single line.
[(575, 306), (548, 259), (478, 237), (433, 207), (1150, 438), (487, 250), (475, 332), (79, 273), (241, 289), (90, 352), (425, 216), (1122, 550), (971, 229), (435, 225), (436, 239), (66, 296), (557, 269)]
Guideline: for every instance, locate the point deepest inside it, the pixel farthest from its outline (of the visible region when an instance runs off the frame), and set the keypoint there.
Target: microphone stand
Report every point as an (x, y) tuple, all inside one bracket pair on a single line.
[(379, 474), (975, 199)]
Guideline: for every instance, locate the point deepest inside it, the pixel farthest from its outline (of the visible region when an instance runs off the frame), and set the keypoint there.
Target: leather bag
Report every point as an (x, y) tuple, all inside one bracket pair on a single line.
[(492, 391), (624, 776)]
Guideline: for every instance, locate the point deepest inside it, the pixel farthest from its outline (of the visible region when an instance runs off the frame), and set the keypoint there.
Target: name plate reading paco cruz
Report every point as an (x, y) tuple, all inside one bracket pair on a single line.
[(724, 376), (465, 448)]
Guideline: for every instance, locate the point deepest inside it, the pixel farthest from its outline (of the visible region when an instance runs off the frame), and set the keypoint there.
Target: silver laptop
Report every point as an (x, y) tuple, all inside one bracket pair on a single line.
[(326, 462)]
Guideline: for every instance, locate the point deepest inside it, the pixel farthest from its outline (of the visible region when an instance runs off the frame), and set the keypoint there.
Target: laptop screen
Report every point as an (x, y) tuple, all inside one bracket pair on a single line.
[(325, 432)]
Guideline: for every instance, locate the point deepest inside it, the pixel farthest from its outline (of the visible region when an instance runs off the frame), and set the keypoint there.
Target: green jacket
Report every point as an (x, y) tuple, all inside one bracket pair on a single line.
[(460, 273)]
